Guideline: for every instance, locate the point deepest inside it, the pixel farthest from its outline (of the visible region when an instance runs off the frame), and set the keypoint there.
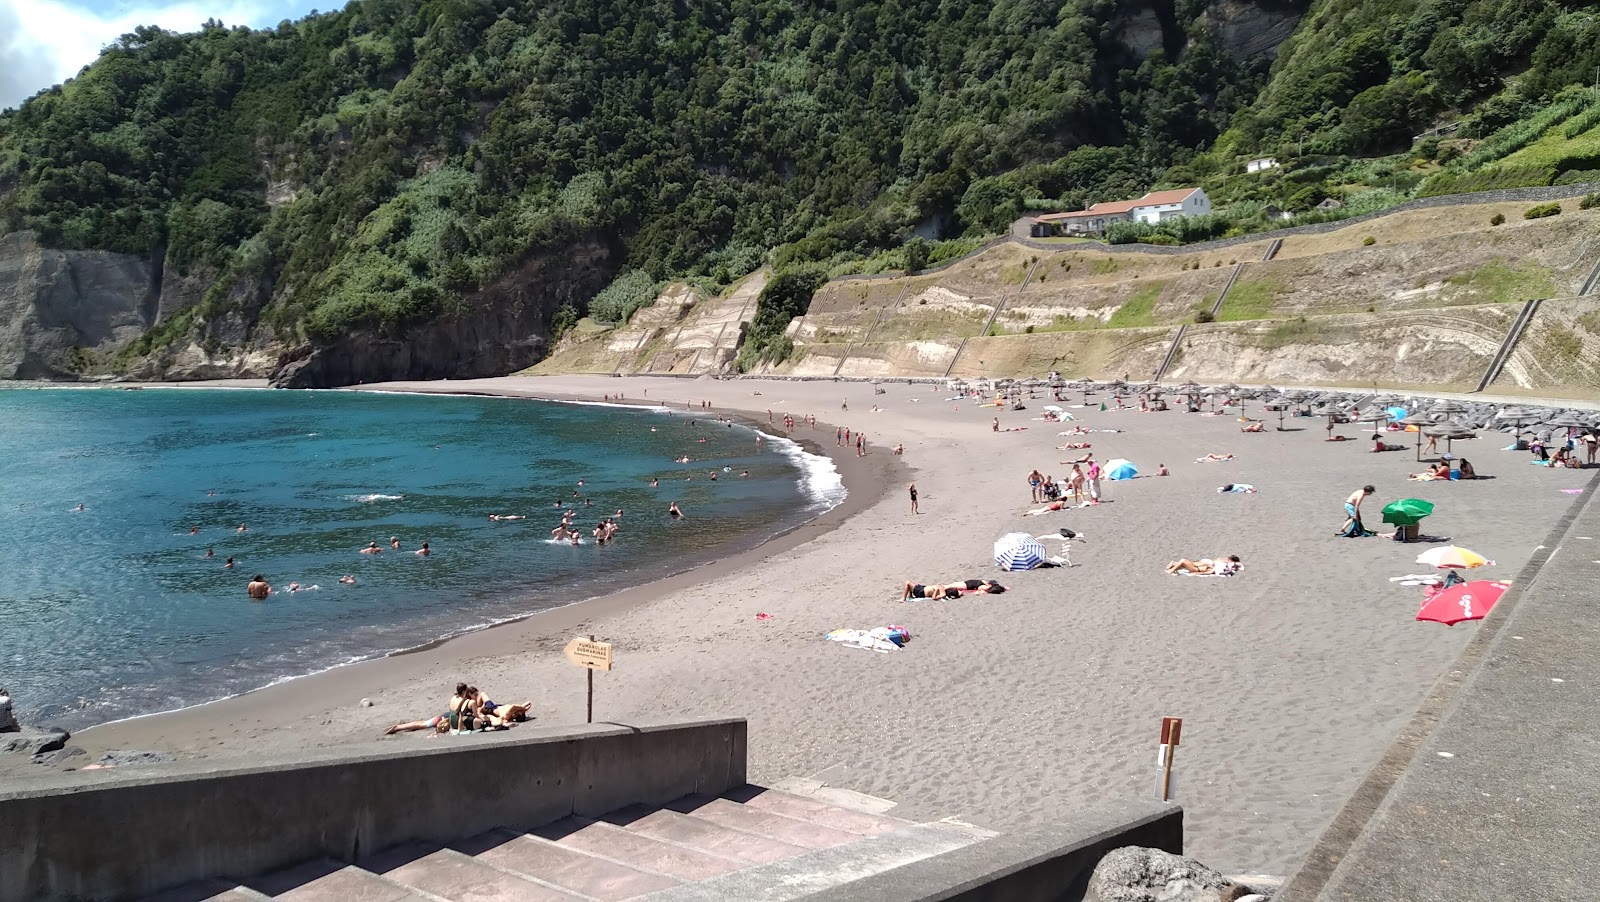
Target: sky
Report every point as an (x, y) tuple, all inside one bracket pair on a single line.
[(43, 42)]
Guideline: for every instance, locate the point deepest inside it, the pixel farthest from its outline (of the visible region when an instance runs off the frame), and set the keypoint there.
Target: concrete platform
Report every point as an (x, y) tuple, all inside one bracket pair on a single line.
[(1490, 792)]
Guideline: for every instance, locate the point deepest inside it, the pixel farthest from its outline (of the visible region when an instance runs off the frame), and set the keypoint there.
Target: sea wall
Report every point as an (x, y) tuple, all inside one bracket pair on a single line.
[(118, 835)]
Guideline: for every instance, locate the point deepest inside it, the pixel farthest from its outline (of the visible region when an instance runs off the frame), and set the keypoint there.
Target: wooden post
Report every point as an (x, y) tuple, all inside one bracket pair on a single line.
[(590, 671), (1171, 730)]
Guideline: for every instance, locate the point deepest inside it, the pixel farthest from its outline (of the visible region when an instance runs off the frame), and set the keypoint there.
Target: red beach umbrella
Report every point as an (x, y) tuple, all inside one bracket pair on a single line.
[(1467, 601)]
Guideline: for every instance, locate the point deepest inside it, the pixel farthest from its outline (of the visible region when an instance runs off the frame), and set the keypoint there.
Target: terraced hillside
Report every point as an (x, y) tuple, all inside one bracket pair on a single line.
[(1416, 297)]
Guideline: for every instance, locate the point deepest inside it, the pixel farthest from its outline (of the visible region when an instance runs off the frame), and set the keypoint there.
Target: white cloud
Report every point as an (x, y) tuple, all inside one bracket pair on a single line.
[(44, 42)]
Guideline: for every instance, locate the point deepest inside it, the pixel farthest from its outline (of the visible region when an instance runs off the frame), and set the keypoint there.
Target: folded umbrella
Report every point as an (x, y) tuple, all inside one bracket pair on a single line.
[(1467, 601)]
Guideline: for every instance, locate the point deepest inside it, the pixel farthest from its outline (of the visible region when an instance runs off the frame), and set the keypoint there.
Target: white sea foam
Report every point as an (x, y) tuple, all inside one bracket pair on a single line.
[(819, 478), (375, 496)]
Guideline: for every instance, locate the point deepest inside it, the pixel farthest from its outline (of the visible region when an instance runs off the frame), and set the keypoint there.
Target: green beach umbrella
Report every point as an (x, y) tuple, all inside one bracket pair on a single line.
[(1406, 511)]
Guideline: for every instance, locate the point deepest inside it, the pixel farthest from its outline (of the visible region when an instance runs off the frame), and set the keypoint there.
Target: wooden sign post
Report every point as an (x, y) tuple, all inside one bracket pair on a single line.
[(591, 656), (1171, 731)]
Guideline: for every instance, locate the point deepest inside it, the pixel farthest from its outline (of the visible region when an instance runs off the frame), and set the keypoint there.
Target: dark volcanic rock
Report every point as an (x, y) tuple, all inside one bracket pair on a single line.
[(502, 329), (33, 741), (122, 758), (1136, 874), (59, 757)]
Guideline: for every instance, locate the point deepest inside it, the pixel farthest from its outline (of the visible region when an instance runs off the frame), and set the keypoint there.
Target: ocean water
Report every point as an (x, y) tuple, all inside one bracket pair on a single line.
[(115, 610)]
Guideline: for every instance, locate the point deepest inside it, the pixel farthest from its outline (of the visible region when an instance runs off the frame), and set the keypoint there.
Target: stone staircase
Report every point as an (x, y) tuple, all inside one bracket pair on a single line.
[(748, 844)]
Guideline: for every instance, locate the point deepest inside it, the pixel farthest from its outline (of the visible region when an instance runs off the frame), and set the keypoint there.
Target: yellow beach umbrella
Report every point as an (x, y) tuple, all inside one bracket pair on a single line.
[(1453, 556)]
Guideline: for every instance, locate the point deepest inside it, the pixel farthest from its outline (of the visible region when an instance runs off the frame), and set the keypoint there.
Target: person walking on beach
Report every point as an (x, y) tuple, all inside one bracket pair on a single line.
[(914, 499), (1093, 481), (838, 436), (1352, 507), (258, 587)]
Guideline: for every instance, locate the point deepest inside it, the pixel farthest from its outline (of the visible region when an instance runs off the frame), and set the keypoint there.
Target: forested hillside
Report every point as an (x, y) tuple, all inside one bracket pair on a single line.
[(399, 161)]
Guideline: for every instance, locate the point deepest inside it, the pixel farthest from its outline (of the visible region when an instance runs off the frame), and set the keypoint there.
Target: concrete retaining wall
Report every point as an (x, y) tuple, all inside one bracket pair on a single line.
[(1051, 863), (117, 835)]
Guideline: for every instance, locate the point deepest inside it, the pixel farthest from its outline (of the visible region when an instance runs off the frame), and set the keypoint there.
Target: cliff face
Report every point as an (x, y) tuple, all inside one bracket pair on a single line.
[(503, 328), (58, 307)]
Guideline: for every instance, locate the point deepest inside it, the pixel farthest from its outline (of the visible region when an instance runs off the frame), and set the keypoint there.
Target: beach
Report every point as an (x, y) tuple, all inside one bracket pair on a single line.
[(1006, 710)]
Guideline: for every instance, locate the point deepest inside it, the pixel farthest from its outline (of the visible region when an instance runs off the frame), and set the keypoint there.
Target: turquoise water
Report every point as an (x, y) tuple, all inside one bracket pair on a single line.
[(115, 611)]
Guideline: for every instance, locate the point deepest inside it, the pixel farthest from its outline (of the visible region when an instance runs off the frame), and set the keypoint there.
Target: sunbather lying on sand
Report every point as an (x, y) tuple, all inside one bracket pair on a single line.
[(1052, 506), (499, 715), (1440, 470), (1209, 458), (1073, 446), (978, 586), (1379, 446), (1222, 566), (439, 724), (930, 591), (1336, 438), (1253, 426)]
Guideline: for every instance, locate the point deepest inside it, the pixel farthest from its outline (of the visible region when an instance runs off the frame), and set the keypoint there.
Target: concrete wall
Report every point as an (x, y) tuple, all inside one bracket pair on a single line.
[(116, 835), (1051, 863)]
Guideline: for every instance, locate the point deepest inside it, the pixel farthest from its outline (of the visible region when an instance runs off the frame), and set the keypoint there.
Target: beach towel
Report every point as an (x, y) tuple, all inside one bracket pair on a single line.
[(1236, 488), (880, 639), (1355, 530)]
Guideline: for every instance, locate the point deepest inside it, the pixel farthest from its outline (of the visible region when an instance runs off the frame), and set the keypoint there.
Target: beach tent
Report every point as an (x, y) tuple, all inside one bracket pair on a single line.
[(1467, 601), (1018, 551), (1121, 469)]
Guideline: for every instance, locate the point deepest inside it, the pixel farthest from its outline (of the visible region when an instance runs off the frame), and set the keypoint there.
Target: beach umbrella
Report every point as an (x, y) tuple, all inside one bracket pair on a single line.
[(1406, 511), (1120, 469), (1448, 408), (1018, 551), (1453, 556), (1450, 431), (1396, 413), (1467, 601)]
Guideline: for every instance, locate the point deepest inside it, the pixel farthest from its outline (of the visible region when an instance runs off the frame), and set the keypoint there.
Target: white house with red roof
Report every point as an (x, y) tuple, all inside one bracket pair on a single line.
[(1152, 208)]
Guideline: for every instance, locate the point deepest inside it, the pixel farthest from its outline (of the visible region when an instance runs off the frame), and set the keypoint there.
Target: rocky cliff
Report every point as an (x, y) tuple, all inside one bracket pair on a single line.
[(59, 309), (501, 329)]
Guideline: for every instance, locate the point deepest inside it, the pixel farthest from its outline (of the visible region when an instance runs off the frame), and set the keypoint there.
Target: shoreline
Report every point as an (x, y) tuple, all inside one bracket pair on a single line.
[(861, 492), (1004, 711)]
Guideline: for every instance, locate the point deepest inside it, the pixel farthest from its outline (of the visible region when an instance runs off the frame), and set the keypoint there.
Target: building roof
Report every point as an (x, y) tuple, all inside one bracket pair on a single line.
[(1112, 208)]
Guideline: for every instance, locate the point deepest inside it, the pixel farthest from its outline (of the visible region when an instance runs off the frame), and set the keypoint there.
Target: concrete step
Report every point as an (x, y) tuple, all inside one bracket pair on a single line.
[(330, 881), (448, 874), (642, 852), (815, 811), (209, 891), (595, 876), (726, 813), (830, 868), (702, 835)]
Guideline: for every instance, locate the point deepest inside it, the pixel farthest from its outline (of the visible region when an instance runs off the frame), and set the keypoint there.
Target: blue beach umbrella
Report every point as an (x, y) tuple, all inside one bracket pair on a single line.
[(1121, 469), (1397, 413), (1018, 551)]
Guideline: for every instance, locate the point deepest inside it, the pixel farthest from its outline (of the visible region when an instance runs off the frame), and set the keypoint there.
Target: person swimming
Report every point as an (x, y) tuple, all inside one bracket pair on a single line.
[(347, 579), (194, 530), (424, 551), (674, 512), (258, 588), (210, 553), (372, 548), (243, 527), (394, 542)]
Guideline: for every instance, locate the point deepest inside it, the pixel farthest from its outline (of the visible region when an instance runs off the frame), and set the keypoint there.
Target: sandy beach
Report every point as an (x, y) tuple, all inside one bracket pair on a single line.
[(1006, 710)]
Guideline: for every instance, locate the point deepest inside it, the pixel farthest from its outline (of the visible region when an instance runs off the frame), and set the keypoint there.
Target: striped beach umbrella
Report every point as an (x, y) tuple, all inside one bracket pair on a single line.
[(1018, 551)]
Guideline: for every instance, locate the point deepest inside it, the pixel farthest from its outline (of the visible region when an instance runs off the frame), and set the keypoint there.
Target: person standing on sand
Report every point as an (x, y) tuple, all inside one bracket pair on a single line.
[(1092, 479), (258, 587), (914, 499), (1352, 507), (1036, 483)]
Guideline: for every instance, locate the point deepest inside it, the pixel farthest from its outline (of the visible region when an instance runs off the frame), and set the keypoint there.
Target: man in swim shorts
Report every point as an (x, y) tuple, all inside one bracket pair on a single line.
[(1352, 506)]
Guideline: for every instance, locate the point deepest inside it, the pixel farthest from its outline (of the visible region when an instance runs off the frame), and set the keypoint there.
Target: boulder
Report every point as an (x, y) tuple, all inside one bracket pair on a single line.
[(60, 757), (8, 719), (1136, 874), (33, 741)]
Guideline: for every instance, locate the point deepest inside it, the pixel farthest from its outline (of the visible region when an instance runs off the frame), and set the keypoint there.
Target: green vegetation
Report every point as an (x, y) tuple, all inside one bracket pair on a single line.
[(1293, 332), (786, 295), (626, 293), (1497, 219), (381, 164), (1138, 310), (1502, 283), (1590, 201), (1250, 299), (1543, 210)]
